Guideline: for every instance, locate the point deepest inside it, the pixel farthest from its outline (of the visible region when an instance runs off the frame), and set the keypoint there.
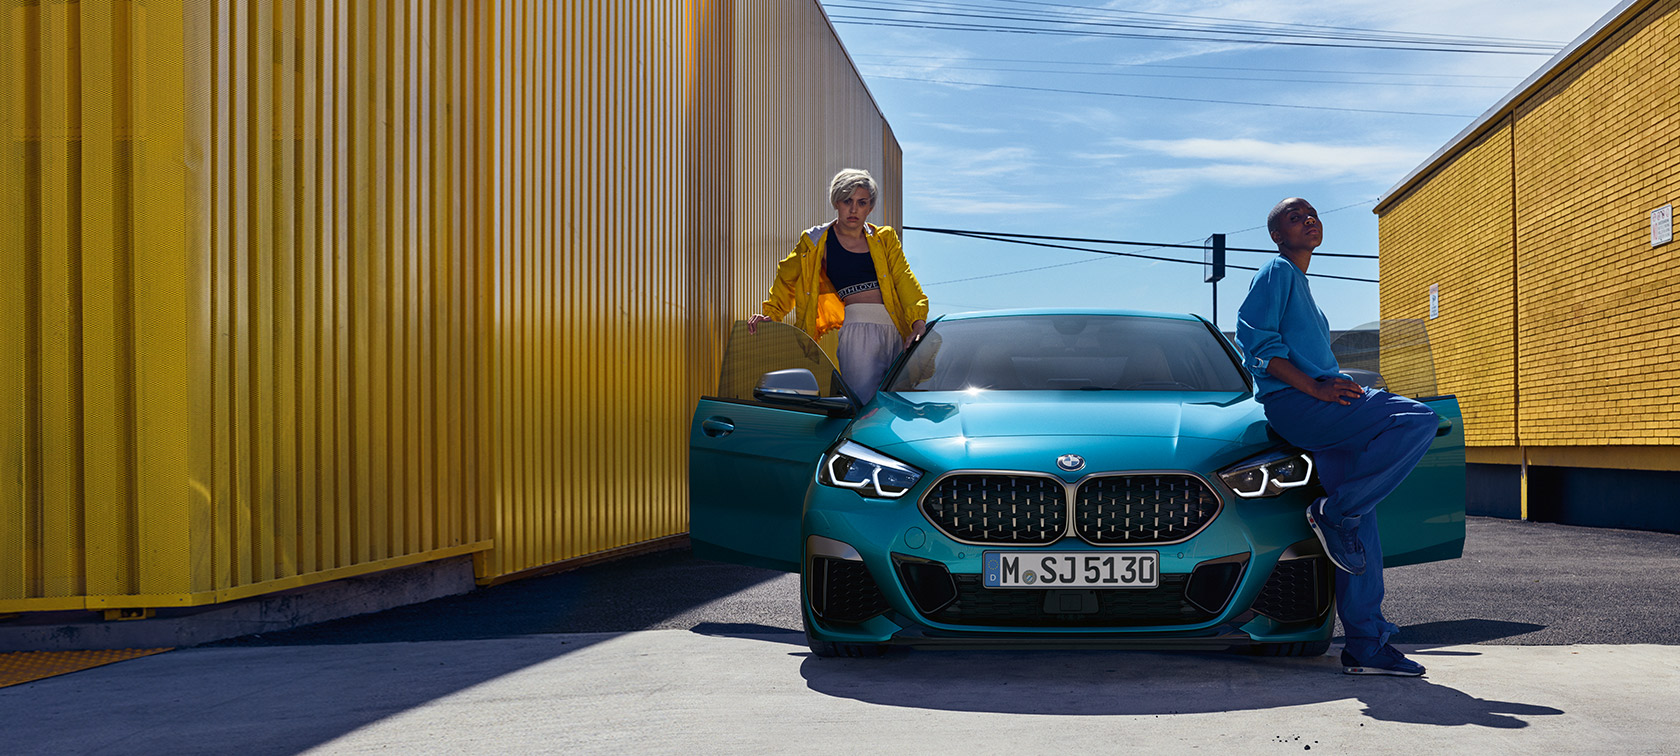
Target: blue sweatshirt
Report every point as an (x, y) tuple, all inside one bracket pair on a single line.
[(1279, 318)]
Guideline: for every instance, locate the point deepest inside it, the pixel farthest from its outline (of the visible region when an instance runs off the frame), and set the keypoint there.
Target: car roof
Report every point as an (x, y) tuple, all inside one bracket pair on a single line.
[(1069, 311)]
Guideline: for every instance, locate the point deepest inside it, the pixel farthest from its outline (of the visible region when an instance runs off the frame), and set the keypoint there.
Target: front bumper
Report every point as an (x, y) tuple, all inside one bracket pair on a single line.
[(875, 572)]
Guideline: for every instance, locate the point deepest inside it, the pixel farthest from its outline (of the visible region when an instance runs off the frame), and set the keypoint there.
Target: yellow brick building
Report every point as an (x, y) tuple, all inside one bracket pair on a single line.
[(1558, 321)]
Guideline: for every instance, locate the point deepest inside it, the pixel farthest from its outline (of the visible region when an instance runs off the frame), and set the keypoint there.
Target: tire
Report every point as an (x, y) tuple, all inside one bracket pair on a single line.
[(1302, 648)]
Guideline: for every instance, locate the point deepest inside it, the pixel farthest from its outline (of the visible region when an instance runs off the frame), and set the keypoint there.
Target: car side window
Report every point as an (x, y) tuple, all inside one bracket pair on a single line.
[(1389, 354), (776, 346)]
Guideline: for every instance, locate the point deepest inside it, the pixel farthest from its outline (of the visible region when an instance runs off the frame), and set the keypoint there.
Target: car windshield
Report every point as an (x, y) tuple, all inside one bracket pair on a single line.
[(1070, 353)]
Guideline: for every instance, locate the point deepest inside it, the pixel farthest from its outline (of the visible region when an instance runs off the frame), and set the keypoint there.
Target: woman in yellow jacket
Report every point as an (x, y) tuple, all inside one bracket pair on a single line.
[(851, 275)]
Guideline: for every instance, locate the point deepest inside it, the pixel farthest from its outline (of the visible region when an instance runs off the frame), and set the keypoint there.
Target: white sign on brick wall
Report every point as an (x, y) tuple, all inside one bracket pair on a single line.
[(1662, 225), (1434, 301)]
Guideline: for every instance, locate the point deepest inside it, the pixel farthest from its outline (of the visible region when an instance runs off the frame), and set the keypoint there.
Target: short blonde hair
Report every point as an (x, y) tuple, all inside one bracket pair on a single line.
[(849, 179)]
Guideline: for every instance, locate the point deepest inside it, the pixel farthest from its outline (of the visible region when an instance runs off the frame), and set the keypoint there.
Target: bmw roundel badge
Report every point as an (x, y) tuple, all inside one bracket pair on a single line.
[(1070, 462)]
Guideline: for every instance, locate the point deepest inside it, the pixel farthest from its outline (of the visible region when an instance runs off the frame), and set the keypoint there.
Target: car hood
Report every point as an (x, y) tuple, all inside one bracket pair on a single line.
[(1155, 429), (1222, 416)]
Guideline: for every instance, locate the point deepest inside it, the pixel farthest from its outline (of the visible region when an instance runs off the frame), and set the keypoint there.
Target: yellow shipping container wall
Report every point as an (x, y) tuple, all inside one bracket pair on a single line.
[(93, 340), (338, 279), (310, 289)]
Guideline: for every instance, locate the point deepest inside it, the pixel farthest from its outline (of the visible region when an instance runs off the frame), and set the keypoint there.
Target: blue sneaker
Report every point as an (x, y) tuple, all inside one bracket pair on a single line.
[(1386, 661), (1340, 544)]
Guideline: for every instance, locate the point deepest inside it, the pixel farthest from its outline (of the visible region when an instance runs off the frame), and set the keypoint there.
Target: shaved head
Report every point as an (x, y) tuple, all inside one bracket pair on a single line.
[(1277, 212)]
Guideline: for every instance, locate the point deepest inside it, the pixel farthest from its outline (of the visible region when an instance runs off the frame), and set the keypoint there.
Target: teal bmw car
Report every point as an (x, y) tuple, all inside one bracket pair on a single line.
[(1056, 478)]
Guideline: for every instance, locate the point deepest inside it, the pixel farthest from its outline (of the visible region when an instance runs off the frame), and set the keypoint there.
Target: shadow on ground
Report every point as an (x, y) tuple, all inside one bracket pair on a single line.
[(1462, 632), (668, 589), (1100, 683), (1106, 683), (289, 691)]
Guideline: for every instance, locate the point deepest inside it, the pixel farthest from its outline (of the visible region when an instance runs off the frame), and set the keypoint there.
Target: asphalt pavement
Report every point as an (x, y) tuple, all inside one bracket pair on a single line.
[(1521, 583), (1542, 638)]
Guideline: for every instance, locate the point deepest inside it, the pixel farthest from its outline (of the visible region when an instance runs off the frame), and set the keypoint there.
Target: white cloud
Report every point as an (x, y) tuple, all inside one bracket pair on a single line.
[(1096, 119), (960, 128), (1553, 21), (903, 55), (1191, 163), (967, 203), (1323, 160), (984, 180), (937, 159)]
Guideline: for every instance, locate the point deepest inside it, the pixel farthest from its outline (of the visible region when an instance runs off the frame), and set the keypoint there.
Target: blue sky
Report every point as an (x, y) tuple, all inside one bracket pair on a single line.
[(985, 148)]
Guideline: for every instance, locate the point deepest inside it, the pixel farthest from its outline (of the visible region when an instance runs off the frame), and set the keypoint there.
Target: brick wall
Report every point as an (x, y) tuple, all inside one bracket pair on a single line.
[(1599, 313), (1575, 346), (1455, 232)]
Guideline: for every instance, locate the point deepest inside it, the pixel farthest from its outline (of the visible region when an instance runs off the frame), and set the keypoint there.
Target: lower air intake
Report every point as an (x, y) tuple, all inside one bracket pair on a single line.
[(1297, 591), (843, 591), (1027, 607)]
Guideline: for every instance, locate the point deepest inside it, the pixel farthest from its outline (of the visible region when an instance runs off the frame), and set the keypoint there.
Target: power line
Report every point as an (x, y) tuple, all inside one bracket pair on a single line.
[(1110, 18), (1174, 99), (907, 56), (1183, 244), (1013, 272), (1251, 22), (1086, 17), (1155, 245), (1006, 238), (1321, 214), (860, 21), (1202, 77), (1243, 34)]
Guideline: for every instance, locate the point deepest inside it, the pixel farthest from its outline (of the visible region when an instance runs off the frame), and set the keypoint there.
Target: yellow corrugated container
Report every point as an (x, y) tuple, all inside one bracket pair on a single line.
[(302, 290)]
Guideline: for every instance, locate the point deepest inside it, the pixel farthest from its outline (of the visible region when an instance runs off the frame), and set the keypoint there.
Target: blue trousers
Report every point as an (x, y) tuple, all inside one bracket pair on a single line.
[(1363, 451)]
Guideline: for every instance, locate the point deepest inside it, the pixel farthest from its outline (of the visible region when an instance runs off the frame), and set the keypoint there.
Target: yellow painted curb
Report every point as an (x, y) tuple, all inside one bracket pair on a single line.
[(28, 666)]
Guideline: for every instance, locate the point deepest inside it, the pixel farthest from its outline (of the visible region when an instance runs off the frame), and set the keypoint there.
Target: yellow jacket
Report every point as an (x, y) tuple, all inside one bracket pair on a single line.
[(802, 284)]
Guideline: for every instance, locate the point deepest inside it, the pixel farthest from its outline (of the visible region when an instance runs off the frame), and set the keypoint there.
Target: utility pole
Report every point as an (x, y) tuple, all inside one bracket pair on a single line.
[(1213, 268)]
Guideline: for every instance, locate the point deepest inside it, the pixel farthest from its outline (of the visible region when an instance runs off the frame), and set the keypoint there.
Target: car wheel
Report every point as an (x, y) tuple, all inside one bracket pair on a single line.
[(830, 649), (1303, 648)]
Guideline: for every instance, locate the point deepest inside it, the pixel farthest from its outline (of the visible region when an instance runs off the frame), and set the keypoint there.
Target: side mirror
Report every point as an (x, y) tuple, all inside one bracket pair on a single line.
[(1366, 378), (797, 388)]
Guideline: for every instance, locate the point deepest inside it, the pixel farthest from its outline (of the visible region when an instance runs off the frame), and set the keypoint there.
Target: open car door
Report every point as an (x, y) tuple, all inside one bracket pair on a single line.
[(753, 449), (1423, 520)]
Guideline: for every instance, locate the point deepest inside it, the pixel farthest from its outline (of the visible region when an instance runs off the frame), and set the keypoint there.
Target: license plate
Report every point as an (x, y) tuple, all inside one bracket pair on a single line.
[(1071, 569)]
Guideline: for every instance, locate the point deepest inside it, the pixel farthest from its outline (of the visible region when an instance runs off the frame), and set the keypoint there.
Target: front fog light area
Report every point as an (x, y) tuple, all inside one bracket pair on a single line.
[(867, 471), (1269, 474)]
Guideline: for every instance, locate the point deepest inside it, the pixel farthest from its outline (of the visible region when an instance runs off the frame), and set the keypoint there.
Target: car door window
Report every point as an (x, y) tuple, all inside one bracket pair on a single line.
[(775, 346), (1394, 354)]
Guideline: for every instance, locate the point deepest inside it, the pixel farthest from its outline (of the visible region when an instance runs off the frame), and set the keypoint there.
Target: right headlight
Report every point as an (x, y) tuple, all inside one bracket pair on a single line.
[(866, 471), (1269, 474)]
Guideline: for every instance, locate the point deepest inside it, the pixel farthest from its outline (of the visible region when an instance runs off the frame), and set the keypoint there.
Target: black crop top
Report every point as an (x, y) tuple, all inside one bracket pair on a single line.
[(849, 271)]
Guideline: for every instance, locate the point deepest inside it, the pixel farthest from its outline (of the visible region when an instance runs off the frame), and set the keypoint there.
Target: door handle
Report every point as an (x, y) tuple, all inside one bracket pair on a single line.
[(1444, 428), (717, 427)]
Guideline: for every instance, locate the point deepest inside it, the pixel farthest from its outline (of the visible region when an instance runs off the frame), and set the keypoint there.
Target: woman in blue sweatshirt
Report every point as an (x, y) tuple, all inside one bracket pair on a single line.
[(1364, 441)]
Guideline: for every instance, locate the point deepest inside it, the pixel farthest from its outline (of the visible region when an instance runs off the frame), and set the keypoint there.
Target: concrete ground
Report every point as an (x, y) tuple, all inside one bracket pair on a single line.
[(1543, 638)]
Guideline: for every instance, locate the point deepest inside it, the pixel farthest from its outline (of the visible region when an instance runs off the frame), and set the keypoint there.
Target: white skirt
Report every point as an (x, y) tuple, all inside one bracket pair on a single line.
[(869, 342)]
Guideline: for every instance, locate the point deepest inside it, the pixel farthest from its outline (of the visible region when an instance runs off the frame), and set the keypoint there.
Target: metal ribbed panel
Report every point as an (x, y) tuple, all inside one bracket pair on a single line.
[(306, 288), (92, 341), (337, 273), (241, 312)]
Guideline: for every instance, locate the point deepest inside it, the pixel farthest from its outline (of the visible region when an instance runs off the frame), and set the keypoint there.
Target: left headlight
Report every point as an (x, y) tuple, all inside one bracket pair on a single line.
[(866, 471), (1269, 474)]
